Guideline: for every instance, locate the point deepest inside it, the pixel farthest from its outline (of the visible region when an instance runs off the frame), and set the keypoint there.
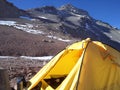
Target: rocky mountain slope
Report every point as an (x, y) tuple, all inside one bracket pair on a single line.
[(8, 10), (47, 30), (15, 42), (77, 23)]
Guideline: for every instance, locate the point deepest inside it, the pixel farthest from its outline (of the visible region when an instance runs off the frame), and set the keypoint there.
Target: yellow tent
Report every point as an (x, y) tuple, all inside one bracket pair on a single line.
[(85, 65)]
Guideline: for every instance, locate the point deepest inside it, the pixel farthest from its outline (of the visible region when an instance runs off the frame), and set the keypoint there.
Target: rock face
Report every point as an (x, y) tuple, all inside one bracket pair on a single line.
[(8, 10)]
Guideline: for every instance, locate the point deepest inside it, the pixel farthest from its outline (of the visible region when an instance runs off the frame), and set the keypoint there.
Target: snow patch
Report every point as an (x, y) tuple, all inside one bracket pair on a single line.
[(57, 38), (7, 57), (109, 35), (42, 17), (87, 26), (80, 16), (44, 58), (29, 25), (8, 23), (26, 27)]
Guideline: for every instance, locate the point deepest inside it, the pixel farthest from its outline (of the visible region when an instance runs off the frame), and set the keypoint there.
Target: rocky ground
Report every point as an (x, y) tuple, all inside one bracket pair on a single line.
[(20, 67)]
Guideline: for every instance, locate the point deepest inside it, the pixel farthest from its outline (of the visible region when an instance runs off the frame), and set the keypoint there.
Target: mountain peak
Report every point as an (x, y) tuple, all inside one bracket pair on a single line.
[(67, 6), (73, 9)]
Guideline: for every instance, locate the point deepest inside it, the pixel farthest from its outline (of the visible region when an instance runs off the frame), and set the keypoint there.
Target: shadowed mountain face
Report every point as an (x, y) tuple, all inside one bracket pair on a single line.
[(60, 27), (8, 10)]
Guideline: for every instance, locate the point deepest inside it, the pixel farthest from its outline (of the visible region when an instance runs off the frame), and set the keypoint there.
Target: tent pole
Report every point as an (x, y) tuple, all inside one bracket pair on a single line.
[(82, 63)]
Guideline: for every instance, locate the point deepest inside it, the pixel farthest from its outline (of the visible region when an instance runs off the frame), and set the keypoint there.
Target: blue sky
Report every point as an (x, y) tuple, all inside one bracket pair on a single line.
[(105, 10)]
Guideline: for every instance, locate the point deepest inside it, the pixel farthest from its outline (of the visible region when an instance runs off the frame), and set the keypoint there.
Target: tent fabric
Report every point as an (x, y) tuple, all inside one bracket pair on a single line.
[(85, 65)]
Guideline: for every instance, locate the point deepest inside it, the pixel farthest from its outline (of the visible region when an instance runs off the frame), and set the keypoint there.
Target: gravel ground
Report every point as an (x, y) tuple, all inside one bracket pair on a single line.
[(19, 67)]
